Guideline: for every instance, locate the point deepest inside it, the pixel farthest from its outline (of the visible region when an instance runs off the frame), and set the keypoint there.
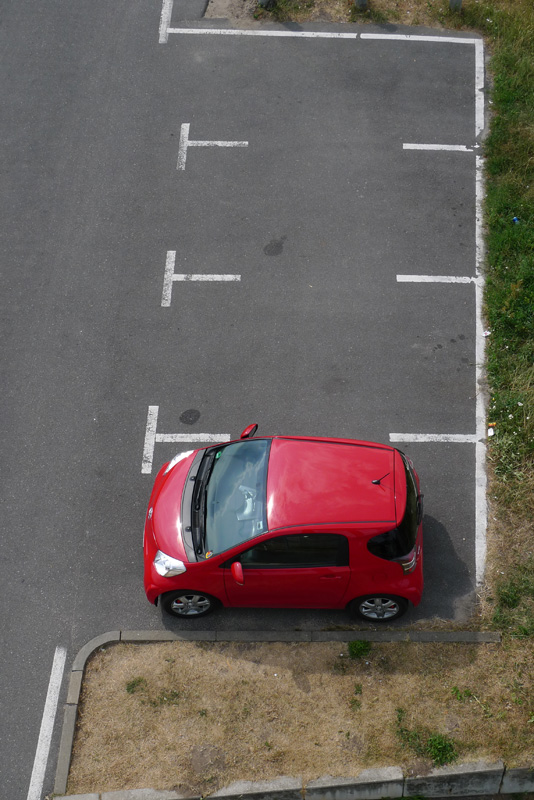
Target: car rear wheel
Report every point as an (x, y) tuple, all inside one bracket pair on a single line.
[(188, 604), (378, 608)]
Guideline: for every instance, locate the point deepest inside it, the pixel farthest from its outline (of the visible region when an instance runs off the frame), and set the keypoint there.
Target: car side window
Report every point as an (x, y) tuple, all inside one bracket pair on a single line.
[(298, 550)]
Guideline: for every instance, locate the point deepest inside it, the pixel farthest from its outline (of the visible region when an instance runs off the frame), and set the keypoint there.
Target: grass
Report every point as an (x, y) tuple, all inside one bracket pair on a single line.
[(438, 747), (359, 649), (256, 711)]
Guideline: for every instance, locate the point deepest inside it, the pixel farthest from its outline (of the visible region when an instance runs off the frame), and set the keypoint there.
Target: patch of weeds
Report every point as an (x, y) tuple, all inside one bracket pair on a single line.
[(268, 745), (167, 697), (285, 10), (515, 601), (467, 694), (368, 14), (340, 665), (520, 692), (427, 744), (385, 663), (461, 694), (441, 749), (136, 685), (202, 712), (509, 594), (355, 702), (359, 649)]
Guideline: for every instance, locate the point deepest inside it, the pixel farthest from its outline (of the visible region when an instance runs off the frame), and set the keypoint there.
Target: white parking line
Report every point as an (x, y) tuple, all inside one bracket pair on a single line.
[(151, 437), (201, 277), (281, 34), (479, 86), (170, 276), (435, 279), (185, 142), (408, 37), (460, 438), (481, 479), (285, 34), (47, 725), (165, 21), (461, 148)]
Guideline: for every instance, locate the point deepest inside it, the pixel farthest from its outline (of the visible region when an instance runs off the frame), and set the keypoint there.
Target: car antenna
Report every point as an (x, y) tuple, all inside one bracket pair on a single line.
[(377, 481)]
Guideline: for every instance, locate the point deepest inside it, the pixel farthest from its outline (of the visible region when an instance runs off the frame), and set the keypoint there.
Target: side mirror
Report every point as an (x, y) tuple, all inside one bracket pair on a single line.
[(237, 573), (249, 431)]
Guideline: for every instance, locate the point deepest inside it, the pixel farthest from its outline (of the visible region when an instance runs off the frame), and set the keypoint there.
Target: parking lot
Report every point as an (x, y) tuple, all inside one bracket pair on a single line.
[(323, 272), (210, 228)]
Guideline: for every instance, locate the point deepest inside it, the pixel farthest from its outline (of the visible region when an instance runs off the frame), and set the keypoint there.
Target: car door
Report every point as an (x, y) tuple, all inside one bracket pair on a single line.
[(298, 570)]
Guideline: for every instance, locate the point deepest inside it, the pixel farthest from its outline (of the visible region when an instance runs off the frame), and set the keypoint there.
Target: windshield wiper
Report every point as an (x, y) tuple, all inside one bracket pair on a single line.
[(199, 502)]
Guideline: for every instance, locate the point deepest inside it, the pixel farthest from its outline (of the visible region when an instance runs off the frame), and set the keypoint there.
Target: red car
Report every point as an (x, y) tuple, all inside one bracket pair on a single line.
[(286, 522)]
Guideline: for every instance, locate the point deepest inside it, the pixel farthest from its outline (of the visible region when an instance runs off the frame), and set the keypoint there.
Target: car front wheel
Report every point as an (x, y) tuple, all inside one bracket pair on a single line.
[(378, 608), (188, 604)]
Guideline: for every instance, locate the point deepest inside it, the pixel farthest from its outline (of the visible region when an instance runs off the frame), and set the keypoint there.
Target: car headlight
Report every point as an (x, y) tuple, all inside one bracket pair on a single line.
[(166, 566)]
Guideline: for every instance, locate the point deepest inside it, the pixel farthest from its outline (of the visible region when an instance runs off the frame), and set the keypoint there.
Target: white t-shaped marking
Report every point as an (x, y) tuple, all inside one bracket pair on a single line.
[(185, 142), (152, 436), (171, 275)]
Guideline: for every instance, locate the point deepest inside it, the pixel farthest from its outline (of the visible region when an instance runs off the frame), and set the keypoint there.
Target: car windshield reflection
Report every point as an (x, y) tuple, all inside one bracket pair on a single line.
[(236, 495)]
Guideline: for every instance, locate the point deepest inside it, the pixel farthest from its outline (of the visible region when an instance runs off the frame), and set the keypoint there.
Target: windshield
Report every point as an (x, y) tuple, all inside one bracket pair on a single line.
[(235, 494)]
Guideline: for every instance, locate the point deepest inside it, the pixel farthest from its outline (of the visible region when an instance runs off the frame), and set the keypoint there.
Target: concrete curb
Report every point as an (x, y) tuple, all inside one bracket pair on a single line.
[(480, 778)]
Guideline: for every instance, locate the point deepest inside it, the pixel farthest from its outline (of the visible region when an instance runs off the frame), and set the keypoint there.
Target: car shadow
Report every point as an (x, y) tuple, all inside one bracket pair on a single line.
[(449, 591)]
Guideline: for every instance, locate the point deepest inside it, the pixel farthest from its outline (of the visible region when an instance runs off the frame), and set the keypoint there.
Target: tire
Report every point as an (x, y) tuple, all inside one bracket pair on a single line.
[(378, 608), (188, 604)]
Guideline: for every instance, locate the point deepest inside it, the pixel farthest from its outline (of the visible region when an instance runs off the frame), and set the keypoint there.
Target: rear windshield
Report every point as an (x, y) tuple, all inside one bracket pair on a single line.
[(401, 540), (236, 494)]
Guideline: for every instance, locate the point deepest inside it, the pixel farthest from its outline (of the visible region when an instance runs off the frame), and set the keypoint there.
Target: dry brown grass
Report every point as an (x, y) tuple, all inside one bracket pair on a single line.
[(205, 715)]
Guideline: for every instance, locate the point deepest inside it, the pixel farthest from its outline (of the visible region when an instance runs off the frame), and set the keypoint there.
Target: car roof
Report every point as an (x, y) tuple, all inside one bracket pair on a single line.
[(330, 481)]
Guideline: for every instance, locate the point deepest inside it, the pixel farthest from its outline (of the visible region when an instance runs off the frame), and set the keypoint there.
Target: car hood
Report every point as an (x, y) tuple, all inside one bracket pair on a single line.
[(166, 502), (317, 482)]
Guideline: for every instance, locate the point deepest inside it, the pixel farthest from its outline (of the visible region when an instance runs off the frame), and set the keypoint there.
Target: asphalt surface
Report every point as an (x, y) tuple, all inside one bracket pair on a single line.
[(318, 214)]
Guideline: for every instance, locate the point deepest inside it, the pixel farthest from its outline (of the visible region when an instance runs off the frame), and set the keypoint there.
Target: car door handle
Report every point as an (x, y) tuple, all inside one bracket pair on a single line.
[(330, 577)]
